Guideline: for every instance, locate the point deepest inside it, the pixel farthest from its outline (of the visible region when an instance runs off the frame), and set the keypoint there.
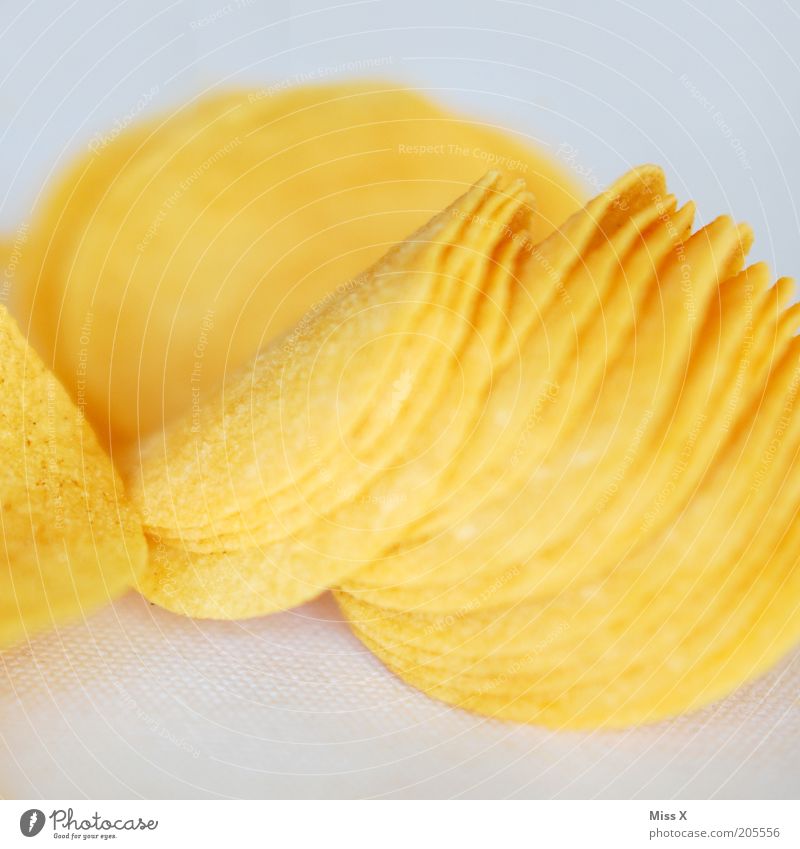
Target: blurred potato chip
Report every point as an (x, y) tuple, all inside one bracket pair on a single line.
[(167, 256)]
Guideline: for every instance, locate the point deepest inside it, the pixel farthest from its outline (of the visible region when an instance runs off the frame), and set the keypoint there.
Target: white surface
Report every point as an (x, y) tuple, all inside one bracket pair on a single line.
[(138, 702)]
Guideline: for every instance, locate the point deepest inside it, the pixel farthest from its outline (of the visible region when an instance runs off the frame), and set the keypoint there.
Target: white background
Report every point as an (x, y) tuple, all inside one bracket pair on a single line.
[(137, 702)]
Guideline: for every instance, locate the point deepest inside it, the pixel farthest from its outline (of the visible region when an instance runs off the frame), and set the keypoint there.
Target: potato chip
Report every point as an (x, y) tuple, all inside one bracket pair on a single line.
[(640, 618), (70, 539), (169, 255), (552, 482)]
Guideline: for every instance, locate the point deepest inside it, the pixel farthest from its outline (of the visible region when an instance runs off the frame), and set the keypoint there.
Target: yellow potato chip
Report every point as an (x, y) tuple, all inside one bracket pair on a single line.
[(640, 644), (695, 600), (659, 487), (70, 541), (590, 630), (169, 255), (735, 648)]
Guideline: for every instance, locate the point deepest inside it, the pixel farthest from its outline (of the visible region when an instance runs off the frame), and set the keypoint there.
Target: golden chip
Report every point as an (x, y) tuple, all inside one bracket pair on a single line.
[(70, 541)]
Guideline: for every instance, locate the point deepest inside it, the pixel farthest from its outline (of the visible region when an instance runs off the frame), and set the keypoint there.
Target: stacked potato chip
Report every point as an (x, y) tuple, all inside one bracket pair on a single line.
[(551, 481), (69, 539)]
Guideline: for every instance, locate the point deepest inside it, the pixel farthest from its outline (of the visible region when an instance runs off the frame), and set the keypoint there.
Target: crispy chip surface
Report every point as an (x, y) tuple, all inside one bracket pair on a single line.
[(70, 541)]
